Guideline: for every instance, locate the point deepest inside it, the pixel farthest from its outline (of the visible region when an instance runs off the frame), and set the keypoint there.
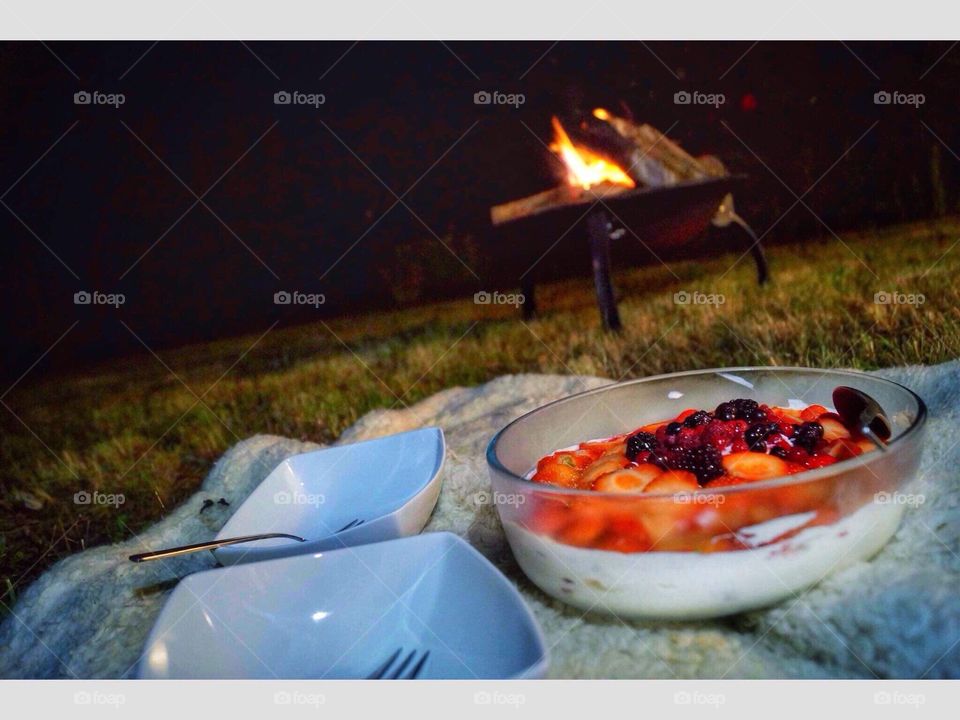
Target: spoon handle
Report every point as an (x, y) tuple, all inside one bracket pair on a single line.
[(868, 432), (209, 545)]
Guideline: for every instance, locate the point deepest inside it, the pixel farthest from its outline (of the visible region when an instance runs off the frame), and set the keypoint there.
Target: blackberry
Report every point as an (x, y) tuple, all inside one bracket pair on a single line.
[(673, 428), (807, 435), (705, 462), (779, 452), (757, 415), (756, 436), (725, 411), (661, 458), (745, 408), (700, 417), (639, 442)]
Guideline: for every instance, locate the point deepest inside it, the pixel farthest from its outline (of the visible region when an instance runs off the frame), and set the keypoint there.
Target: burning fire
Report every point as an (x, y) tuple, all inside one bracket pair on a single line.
[(585, 168)]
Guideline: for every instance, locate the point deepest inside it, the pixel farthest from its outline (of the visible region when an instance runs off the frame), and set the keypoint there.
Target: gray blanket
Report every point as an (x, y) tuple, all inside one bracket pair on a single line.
[(897, 615)]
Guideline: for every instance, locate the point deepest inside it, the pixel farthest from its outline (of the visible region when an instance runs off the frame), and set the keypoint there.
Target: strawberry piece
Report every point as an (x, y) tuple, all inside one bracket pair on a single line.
[(833, 429), (813, 412), (633, 479), (557, 473), (623, 543), (754, 466), (727, 481), (843, 449), (614, 444), (786, 415), (606, 464), (583, 530), (673, 481), (815, 461), (549, 517)]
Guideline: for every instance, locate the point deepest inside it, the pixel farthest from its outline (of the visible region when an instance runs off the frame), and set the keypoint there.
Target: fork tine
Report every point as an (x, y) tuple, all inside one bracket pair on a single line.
[(412, 675), (403, 666), (351, 524), (380, 671)]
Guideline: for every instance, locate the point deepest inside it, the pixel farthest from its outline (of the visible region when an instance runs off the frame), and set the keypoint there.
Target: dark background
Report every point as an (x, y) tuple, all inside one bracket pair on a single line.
[(302, 197)]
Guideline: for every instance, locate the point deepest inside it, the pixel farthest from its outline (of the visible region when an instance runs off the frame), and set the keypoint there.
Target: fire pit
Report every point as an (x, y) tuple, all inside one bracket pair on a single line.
[(622, 177)]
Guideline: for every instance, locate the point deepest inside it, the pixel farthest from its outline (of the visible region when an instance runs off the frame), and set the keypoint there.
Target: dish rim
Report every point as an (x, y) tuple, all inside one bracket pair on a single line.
[(800, 478)]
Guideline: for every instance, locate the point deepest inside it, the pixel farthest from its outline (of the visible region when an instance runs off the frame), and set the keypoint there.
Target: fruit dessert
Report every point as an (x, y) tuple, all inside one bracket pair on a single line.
[(740, 441)]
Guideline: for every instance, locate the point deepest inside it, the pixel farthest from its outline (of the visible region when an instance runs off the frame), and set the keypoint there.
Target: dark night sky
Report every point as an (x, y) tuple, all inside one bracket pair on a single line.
[(303, 196)]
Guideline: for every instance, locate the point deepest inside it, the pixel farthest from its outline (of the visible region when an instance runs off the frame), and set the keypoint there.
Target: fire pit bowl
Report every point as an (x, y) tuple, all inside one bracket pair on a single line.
[(660, 217)]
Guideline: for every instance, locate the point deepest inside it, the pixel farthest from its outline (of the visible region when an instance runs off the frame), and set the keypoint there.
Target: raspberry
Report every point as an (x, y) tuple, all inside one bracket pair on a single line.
[(688, 438), (718, 434)]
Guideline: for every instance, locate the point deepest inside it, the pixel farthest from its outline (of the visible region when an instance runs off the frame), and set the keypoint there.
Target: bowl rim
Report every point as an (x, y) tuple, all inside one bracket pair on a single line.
[(800, 478)]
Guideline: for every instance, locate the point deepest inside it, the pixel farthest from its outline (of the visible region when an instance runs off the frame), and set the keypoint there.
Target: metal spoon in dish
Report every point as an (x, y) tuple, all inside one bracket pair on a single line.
[(213, 544), (863, 412)]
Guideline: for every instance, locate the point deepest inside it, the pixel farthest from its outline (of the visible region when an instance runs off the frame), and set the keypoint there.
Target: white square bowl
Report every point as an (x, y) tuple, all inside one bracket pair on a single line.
[(390, 483), (341, 614)]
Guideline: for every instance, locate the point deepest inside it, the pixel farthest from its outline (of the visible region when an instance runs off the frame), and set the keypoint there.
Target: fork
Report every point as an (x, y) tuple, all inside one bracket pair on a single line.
[(396, 672), (213, 544)]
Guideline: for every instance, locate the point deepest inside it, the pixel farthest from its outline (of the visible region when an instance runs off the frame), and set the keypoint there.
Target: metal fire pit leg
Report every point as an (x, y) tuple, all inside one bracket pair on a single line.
[(528, 308), (599, 228)]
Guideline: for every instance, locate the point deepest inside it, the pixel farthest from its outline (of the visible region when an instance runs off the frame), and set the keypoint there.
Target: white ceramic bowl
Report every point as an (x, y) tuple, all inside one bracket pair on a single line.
[(341, 614), (390, 483)]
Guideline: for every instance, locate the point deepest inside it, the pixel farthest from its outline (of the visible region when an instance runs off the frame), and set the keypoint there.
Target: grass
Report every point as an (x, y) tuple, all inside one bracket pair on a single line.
[(151, 429)]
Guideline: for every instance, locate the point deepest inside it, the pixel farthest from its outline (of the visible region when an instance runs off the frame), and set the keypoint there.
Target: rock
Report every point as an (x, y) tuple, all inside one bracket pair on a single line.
[(895, 616)]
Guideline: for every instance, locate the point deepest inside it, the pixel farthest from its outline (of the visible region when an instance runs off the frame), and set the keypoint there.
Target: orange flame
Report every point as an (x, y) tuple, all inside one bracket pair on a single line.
[(585, 168)]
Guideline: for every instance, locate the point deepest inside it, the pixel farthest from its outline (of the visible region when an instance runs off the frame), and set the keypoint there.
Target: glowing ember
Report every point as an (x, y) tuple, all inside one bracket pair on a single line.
[(585, 168)]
